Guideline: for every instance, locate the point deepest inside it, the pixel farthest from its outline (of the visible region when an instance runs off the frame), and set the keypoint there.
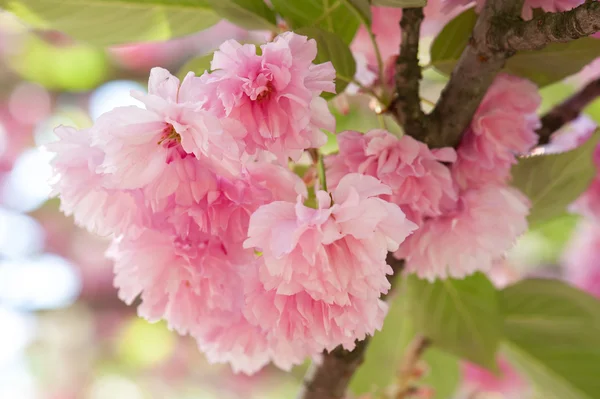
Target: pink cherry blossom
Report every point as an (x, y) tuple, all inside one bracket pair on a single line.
[(571, 136), (503, 126), (333, 252), (179, 280), (509, 383), (83, 191), (421, 184), (275, 95), (582, 258), (484, 225)]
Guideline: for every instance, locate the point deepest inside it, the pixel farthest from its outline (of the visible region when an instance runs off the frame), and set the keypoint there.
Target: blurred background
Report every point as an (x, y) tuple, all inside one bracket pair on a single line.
[(64, 334)]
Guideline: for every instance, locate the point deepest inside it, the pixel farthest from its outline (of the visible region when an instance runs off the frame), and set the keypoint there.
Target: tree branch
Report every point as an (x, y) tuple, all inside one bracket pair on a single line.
[(551, 27), (330, 378), (475, 71), (567, 111), (409, 364), (407, 104)]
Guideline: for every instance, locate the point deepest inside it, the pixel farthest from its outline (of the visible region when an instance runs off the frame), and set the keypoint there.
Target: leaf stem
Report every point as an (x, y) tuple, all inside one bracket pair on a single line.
[(321, 172)]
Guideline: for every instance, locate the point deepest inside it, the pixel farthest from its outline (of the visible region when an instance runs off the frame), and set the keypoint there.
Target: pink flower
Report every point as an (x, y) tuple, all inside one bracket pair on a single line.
[(83, 191), (484, 225), (299, 325), (275, 95), (179, 280), (582, 258), (421, 184), (509, 382), (140, 144), (503, 126), (333, 252), (571, 136)]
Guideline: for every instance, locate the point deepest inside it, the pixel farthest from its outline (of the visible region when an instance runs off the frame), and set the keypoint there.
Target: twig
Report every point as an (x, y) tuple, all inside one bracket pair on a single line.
[(406, 105), (567, 111), (330, 378), (551, 27), (409, 363)]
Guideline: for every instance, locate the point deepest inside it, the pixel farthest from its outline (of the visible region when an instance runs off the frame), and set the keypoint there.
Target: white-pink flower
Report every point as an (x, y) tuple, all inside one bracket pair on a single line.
[(275, 95), (503, 126), (484, 225), (421, 184), (83, 190), (334, 252), (582, 258)]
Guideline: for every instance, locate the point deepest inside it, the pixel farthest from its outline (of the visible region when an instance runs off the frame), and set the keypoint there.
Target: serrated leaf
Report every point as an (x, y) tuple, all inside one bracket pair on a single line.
[(548, 65), (249, 14), (198, 65), (330, 47), (552, 335), (554, 181), (400, 3), (459, 316), (108, 22), (387, 349), (334, 16)]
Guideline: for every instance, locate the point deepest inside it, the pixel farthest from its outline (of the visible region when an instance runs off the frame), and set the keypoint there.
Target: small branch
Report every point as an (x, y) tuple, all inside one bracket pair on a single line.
[(406, 106), (551, 27), (330, 378), (409, 364), (568, 110)]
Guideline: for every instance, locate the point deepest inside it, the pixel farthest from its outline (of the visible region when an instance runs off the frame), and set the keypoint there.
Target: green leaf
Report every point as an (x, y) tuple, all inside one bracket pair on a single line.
[(107, 22), (336, 16), (553, 336), (198, 65), (331, 48), (554, 181), (548, 65), (249, 14), (362, 8), (459, 316), (385, 353), (400, 3)]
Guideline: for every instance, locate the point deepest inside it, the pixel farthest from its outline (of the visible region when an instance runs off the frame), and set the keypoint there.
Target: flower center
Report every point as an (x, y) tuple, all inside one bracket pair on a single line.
[(170, 137), (266, 92)]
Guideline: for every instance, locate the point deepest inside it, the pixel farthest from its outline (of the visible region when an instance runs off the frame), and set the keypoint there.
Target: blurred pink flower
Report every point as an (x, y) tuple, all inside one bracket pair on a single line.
[(421, 184), (582, 257), (509, 383), (571, 136), (503, 126), (484, 225), (275, 95), (334, 252)]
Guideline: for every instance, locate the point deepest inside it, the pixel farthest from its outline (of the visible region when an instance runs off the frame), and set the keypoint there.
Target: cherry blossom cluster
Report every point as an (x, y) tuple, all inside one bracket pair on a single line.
[(468, 215), (216, 235), (209, 224)]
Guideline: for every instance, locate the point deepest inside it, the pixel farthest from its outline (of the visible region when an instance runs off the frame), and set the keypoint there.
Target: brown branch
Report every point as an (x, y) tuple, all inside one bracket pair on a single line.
[(409, 364), (330, 378), (551, 27), (567, 111), (475, 71), (407, 103)]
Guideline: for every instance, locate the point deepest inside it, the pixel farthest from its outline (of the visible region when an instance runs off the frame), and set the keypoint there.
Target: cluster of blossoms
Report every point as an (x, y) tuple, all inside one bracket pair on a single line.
[(468, 216), (214, 232)]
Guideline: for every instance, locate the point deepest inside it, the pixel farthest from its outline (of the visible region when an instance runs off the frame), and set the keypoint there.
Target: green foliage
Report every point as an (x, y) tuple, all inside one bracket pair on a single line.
[(249, 14), (553, 336), (107, 22), (198, 65), (332, 48), (68, 68), (459, 316), (387, 349), (554, 181), (548, 65), (143, 344), (335, 16), (399, 3)]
